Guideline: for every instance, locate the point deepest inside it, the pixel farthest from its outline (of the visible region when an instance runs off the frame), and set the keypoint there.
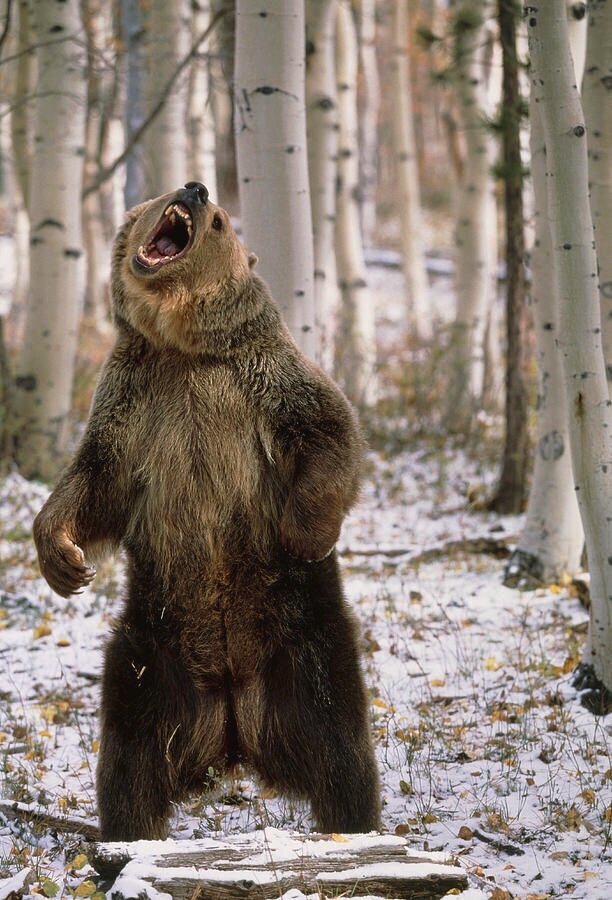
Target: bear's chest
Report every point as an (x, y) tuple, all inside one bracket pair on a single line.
[(206, 466)]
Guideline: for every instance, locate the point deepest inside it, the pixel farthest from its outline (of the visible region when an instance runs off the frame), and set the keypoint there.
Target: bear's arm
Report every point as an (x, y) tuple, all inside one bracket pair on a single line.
[(326, 453), (86, 513)]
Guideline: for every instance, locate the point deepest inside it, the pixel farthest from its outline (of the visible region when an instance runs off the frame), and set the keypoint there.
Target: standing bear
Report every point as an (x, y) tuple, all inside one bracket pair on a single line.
[(223, 462)]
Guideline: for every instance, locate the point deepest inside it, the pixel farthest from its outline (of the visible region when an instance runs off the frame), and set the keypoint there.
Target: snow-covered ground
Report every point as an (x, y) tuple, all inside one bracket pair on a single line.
[(483, 751)]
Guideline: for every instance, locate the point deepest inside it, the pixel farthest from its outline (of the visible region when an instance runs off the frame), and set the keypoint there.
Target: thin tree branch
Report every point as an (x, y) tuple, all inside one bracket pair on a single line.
[(7, 22), (106, 173)]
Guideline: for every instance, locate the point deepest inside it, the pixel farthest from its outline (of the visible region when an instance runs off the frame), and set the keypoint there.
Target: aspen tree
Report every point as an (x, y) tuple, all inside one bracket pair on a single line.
[(597, 102), (419, 312), (511, 493), (133, 36), (43, 383), (550, 545), (201, 149), (165, 140), (580, 341), (369, 131), (551, 541), (270, 123), (355, 351), (476, 212), (322, 128), (21, 144)]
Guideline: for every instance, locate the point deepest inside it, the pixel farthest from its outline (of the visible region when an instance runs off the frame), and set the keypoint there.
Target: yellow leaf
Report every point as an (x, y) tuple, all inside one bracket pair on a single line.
[(378, 701), (3, 625), (437, 682), (45, 733), (428, 818), (79, 861), (491, 664), (95, 745), (85, 889), (608, 814), (48, 713), (588, 795), (340, 838), (465, 833), (554, 588), (63, 642), (41, 631)]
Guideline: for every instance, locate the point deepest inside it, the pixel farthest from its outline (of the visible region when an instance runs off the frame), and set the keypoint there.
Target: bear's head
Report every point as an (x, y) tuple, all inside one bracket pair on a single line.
[(180, 275)]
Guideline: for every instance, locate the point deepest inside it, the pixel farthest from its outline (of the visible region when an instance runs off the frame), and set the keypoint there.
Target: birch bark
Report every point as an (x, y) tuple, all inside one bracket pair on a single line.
[(201, 150), (550, 544), (369, 133), (322, 127), (580, 342), (165, 141), (270, 123), (21, 133), (597, 102), (132, 26), (419, 312), (43, 384), (355, 349), (476, 213)]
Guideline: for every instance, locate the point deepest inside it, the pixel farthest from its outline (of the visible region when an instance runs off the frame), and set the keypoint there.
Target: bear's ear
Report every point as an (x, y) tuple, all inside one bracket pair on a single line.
[(253, 260)]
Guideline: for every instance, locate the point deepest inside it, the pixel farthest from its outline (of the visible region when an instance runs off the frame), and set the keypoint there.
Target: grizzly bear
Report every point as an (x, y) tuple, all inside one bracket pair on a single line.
[(222, 461)]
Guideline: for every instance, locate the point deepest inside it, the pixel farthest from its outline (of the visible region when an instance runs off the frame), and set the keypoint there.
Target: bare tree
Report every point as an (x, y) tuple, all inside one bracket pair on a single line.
[(580, 341), (419, 312), (369, 117), (474, 46), (355, 349), (133, 36), (511, 494), (165, 140), (322, 127), (270, 123), (596, 97), (202, 144), (551, 541), (42, 395)]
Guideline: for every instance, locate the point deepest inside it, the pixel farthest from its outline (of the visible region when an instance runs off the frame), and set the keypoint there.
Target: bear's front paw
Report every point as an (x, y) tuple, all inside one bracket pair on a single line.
[(62, 563)]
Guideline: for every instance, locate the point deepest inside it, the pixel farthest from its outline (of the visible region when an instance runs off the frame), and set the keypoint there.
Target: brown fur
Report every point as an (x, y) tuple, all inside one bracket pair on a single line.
[(223, 462)]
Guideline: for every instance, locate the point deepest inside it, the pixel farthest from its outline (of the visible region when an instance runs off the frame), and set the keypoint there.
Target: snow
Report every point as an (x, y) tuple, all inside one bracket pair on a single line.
[(483, 750)]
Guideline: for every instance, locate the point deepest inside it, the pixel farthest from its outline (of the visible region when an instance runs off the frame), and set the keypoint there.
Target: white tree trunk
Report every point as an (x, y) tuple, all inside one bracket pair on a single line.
[(322, 128), (597, 102), (202, 149), (580, 343), (408, 196), (369, 133), (133, 33), (270, 123), (21, 133), (476, 228), (577, 33), (165, 141), (43, 381), (551, 542), (355, 346)]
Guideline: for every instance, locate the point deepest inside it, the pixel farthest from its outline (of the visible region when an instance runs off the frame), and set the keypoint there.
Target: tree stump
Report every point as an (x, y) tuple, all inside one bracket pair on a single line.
[(267, 864)]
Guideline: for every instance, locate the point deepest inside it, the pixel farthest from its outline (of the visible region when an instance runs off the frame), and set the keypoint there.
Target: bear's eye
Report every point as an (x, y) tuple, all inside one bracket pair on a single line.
[(217, 223)]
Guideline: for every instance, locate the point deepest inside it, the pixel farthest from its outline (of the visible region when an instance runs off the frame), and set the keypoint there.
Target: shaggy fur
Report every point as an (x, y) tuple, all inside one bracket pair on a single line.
[(223, 462)]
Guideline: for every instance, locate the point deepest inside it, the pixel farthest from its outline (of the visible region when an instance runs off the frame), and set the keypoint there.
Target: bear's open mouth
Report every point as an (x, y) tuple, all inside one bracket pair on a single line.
[(171, 237)]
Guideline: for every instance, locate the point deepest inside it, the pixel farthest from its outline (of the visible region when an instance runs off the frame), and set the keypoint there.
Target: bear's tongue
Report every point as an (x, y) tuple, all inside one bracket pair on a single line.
[(166, 246)]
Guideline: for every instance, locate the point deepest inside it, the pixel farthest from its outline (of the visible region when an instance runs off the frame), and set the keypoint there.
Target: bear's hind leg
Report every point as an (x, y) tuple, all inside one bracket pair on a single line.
[(159, 733), (312, 737)]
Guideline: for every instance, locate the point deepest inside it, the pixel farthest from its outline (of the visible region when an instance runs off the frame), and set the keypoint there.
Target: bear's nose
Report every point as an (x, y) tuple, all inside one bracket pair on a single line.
[(198, 190)]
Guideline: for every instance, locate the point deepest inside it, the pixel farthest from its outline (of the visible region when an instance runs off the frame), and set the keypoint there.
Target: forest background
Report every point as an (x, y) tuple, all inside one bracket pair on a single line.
[(428, 187)]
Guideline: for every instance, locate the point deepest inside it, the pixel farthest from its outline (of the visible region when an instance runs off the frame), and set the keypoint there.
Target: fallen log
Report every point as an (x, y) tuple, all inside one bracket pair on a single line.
[(268, 863)]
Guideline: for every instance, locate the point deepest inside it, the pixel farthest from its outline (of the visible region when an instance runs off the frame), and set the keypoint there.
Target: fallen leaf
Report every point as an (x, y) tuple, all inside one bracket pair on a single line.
[(41, 631), (340, 838), (437, 682), (465, 833)]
